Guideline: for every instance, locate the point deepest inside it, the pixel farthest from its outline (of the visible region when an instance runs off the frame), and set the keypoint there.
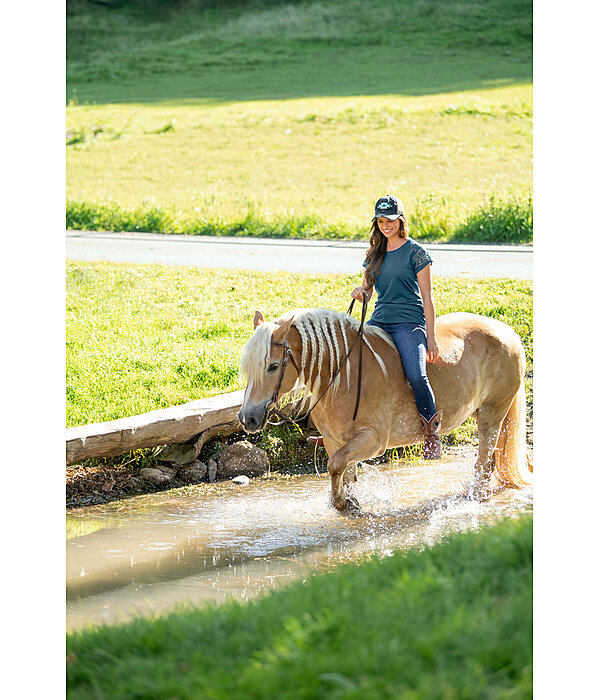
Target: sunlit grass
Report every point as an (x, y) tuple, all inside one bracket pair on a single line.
[(291, 118), (142, 337), (305, 167)]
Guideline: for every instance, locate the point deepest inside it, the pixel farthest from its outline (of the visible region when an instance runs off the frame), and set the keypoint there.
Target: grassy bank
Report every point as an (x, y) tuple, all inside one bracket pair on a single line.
[(141, 337), (290, 119), (451, 621)]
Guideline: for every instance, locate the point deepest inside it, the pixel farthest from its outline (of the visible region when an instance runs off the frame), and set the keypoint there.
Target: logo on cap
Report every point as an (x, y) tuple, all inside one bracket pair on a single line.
[(389, 206)]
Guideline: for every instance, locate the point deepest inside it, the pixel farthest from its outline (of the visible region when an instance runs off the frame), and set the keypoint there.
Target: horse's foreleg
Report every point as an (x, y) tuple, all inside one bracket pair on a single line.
[(364, 444), (350, 473)]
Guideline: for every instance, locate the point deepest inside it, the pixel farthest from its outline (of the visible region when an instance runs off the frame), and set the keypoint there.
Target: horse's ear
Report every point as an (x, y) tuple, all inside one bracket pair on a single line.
[(259, 319), (280, 333)]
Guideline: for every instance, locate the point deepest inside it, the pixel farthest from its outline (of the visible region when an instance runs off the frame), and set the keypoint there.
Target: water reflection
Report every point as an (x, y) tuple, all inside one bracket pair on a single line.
[(151, 553)]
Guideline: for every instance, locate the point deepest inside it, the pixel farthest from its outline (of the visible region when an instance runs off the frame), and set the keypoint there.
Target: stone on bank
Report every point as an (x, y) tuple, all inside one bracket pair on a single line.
[(242, 459)]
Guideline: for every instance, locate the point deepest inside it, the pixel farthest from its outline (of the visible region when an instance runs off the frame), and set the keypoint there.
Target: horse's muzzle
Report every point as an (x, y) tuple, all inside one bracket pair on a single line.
[(252, 420)]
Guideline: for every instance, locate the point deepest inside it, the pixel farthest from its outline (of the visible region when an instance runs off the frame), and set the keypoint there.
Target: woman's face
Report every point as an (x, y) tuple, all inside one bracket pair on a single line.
[(390, 229)]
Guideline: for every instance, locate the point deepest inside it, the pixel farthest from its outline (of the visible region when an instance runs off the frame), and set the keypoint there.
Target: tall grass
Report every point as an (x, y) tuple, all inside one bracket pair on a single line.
[(501, 221), (452, 621)]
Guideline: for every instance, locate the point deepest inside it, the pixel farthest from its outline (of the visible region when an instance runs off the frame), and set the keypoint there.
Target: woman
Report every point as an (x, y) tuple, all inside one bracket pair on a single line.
[(399, 269)]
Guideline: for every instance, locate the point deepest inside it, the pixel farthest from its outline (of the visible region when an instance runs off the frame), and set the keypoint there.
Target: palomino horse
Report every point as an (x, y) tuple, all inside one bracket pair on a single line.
[(479, 372)]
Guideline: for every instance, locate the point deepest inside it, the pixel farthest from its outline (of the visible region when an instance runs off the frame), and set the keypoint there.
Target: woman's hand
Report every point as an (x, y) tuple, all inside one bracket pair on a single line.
[(432, 349), (358, 292)]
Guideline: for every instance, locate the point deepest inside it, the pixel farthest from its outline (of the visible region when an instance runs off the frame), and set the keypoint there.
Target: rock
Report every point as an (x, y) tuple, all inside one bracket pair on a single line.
[(212, 470), (169, 471), (178, 454), (242, 458), (193, 472), (155, 476), (241, 480)]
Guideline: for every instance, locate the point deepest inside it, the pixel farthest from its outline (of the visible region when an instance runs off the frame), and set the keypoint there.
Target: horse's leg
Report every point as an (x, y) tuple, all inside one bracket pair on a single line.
[(350, 474), (489, 422), (364, 444)]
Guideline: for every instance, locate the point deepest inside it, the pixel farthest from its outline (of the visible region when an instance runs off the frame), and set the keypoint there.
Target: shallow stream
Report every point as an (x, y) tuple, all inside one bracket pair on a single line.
[(147, 554)]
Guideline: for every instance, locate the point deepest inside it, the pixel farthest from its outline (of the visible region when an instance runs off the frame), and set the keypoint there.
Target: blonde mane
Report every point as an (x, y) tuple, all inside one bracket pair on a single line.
[(318, 330)]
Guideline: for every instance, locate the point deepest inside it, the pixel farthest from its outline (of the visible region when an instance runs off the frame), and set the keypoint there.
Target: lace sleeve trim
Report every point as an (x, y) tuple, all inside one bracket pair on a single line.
[(421, 259)]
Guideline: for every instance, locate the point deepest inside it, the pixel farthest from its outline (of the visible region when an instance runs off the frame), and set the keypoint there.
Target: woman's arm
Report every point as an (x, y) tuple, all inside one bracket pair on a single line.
[(366, 289), (424, 280)]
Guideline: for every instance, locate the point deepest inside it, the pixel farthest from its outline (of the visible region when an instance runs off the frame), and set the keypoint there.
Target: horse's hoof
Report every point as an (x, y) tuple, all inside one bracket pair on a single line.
[(348, 506), (353, 507)]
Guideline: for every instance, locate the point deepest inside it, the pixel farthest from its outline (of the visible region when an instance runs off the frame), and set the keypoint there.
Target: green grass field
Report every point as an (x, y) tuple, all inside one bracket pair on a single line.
[(141, 337), (452, 621), (291, 118)]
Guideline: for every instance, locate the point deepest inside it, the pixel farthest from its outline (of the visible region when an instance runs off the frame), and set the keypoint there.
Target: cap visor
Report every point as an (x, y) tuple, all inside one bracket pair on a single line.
[(390, 217)]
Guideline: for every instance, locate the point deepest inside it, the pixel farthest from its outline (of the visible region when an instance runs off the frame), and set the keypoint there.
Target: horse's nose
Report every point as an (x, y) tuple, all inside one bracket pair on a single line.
[(250, 424)]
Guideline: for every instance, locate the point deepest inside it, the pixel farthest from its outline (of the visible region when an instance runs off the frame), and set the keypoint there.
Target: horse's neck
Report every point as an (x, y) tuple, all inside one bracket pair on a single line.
[(318, 364)]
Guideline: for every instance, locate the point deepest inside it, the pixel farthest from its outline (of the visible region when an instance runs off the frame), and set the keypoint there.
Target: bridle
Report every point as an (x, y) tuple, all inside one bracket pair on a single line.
[(287, 355), (272, 407)]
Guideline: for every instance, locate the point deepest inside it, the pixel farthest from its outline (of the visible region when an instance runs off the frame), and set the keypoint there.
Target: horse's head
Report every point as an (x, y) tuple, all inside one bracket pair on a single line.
[(271, 370)]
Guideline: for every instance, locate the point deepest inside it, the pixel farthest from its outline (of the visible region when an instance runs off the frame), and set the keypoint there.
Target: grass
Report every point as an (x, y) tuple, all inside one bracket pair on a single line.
[(289, 119), (458, 624), (283, 50), (142, 337)]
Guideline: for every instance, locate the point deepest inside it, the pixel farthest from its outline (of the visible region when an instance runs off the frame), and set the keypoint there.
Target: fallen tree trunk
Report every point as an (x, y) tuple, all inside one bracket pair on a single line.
[(166, 426)]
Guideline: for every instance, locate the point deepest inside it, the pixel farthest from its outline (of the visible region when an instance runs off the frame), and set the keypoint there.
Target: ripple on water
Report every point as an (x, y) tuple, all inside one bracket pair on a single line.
[(214, 547)]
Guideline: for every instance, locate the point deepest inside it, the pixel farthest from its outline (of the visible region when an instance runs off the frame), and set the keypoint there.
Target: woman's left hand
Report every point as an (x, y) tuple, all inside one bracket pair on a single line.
[(432, 349)]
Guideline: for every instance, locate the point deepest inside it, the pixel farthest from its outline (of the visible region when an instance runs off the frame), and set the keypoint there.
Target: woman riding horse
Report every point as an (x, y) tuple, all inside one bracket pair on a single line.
[(399, 268)]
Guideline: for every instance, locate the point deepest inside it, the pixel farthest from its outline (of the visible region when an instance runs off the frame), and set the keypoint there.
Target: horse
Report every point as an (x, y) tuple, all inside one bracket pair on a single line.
[(479, 372)]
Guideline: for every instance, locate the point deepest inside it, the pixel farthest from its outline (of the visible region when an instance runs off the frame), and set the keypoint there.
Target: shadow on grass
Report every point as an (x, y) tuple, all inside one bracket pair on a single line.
[(333, 73), (200, 51)]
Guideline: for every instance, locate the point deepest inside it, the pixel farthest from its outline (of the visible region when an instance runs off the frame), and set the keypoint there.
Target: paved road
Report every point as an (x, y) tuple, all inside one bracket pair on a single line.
[(290, 255)]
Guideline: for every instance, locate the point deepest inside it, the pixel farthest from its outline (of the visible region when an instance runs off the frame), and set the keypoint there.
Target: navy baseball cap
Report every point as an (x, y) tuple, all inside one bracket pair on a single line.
[(390, 207)]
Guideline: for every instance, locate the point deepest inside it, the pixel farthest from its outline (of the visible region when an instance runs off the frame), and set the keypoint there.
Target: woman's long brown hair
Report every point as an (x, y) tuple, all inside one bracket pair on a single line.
[(378, 247)]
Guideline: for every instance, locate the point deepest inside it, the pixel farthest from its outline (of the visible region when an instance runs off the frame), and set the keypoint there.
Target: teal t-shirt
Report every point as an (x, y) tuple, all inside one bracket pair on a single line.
[(398, 296)]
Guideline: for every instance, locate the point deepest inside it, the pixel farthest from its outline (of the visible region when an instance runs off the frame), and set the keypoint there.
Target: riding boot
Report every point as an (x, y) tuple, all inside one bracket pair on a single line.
[(432, 448), (316, 440)]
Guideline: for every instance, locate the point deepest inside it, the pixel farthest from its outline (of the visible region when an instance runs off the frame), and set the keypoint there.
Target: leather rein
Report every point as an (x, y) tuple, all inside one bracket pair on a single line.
[(288, 355)]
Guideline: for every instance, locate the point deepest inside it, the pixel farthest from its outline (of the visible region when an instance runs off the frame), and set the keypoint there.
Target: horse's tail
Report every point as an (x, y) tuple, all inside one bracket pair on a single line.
[(512, 461)]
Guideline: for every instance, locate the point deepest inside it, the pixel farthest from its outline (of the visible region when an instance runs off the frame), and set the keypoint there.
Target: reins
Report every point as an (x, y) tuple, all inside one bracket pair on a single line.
[(287, 354)]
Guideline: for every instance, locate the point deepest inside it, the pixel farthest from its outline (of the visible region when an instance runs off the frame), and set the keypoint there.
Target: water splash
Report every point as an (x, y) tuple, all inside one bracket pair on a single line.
[(240, 544)]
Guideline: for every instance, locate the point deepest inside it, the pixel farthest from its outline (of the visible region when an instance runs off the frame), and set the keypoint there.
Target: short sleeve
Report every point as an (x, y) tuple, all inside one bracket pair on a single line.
[(420, 259)]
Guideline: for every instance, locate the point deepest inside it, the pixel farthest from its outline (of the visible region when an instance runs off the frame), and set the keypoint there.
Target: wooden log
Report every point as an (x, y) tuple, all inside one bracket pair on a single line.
[(166, 426)]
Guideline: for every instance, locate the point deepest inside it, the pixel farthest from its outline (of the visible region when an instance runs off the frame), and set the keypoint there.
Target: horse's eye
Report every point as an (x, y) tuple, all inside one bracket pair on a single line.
[(272, 367)]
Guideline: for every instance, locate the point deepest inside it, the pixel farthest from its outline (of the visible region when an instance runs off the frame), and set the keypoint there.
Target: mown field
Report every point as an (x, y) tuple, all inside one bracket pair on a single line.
[(458, 619), (141, 337), (291, 118)]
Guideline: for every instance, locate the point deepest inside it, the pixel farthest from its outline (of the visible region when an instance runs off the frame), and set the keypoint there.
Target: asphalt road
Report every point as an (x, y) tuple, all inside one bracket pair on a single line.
[(449, 260)]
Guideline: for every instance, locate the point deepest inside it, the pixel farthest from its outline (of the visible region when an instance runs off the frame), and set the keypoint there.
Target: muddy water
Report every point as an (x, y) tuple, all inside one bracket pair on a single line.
[(147, 555)]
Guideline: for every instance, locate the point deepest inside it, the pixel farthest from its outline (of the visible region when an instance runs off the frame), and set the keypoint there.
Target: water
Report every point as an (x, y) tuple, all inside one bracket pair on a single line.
[(148, 554)]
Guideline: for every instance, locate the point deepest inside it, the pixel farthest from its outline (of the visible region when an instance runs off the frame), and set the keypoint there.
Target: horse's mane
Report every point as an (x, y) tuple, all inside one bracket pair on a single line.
[(318, 330)]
